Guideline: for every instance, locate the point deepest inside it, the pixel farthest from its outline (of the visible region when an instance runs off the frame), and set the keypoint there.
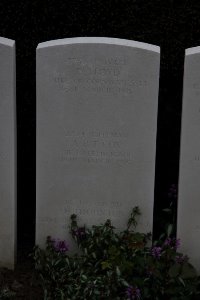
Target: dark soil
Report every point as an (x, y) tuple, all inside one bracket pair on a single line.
[(23, 282)]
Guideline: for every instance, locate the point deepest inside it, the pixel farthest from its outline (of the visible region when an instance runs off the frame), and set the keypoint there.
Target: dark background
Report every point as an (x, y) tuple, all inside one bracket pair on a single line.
[(172, 25)]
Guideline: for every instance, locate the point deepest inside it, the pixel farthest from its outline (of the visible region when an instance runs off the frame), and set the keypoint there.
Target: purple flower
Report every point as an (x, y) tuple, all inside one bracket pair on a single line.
[(180, 259), (156, 252), (132, 293), (177, 243), (173, 243), (60, 245), (167, 242), (80, 232)]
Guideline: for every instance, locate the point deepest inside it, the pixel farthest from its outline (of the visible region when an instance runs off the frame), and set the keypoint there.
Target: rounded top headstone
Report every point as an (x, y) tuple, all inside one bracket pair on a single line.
[(95, 154)]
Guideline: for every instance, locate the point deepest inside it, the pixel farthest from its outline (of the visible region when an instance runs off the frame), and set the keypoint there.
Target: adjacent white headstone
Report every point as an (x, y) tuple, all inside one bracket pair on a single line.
[(189, 178), (7, 153), (96, 132)]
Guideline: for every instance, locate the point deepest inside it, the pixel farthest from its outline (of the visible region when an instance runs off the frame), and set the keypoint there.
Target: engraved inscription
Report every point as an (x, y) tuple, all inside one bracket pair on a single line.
[(100, 209), (117, 61), (92, 211), (78, 207), (195, 160), (96, 147), (49, 220), (100, 76)]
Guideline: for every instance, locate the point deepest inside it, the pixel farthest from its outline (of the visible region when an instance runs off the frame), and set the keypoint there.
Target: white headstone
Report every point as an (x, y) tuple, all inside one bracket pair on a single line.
[(7, 153), (96, 132), (189, 177)]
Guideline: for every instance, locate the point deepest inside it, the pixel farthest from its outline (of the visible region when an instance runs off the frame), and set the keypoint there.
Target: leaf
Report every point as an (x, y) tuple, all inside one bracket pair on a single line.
[(174, 271), (169, 229), (188, 271), (96, 292), (125, 283), (118, 271), (84, 277), (105, 265), (166, 210), (181, 281)]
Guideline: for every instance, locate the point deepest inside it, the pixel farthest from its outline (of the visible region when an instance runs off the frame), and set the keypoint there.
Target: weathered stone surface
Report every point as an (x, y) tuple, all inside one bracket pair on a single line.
[(96, 132), (189, 177), (7, 153)]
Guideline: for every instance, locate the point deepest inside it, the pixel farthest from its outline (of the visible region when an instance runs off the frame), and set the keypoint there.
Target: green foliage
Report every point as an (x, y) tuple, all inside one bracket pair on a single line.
[(6, 293), (113, 265)]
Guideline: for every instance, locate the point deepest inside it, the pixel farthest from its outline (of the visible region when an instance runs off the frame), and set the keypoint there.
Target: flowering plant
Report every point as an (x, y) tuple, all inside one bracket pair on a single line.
[(113, 265)]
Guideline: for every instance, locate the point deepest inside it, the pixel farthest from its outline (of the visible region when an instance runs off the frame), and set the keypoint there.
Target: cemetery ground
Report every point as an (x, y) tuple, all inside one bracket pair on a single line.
[(21, 283), (127, 268)]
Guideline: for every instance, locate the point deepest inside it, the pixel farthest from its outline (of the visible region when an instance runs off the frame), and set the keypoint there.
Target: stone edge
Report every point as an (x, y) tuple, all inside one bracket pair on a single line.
[(193, 50), (7, 42), (99, 40)]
